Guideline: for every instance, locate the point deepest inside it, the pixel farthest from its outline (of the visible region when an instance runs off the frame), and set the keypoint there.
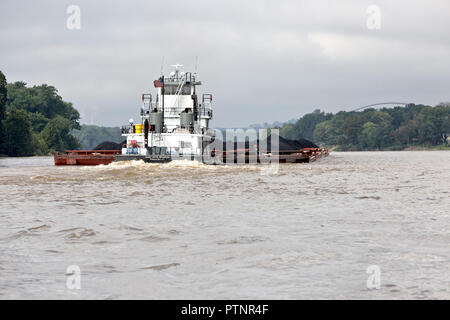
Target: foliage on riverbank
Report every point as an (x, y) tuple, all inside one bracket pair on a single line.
[(35, 120), (385, 129)]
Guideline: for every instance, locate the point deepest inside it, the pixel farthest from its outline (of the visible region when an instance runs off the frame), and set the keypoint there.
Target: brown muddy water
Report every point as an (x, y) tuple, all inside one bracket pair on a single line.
[(187, 230)]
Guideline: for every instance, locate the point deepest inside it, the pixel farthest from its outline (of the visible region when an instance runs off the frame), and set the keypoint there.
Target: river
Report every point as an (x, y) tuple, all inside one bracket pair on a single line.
[(185, 230)]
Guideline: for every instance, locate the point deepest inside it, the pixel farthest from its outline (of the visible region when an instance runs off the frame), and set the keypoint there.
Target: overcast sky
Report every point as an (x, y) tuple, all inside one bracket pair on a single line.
[(263, 61)]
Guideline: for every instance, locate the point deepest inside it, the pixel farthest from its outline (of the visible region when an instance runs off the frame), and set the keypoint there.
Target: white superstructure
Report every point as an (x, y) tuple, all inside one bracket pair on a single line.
[(173, 123)]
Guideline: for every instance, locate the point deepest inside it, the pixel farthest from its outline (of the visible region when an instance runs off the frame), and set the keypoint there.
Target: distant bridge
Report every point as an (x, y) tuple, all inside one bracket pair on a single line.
[(381, 105)]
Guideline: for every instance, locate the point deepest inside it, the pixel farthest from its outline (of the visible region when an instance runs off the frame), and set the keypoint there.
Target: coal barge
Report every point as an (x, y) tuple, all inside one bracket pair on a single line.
[(175, 125)]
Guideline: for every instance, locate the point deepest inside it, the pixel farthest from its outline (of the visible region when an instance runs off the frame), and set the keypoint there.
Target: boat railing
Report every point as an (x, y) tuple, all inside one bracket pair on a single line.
[(128, 129), (188, 77), (207, 97), (206, 109)]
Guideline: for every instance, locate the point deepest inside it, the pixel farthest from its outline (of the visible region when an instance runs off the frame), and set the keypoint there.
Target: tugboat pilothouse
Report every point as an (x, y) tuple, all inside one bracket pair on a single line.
[(174, 124)]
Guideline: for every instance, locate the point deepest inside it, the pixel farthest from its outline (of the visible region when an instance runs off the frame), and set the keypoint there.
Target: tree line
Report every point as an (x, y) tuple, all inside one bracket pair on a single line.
[(385, 129), (35, 120)]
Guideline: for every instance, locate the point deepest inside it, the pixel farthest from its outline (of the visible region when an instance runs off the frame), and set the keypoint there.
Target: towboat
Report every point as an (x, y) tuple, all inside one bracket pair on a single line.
[(174, 123)]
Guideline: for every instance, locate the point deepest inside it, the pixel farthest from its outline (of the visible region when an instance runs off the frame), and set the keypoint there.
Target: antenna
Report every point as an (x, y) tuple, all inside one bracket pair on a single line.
[(176, 66), (196, 64), (162, 65)]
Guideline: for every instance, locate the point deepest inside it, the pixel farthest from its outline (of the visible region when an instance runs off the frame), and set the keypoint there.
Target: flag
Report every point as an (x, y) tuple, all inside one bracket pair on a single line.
[(159, 83)]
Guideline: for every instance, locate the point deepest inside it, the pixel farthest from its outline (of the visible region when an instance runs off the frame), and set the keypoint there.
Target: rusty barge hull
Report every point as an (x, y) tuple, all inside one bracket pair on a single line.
[(85, 157)]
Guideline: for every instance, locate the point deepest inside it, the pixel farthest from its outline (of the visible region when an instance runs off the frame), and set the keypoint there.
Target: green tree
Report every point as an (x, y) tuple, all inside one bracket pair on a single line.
[(326, 133), (433, 124), (429, 133), (446, 129), (18, 133), (50, 117), (43, 99), (288, 131), (407, 133), (3, 95), (369, 136), (52, 137), (3, 99), (39, 145), (305, 126), (374, 129), (352, 126), (56, 135), (38, 121), (383, 122)]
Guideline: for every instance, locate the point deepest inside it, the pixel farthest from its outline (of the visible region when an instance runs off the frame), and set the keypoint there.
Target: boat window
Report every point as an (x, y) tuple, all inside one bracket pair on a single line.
[(169, 89), (172, 89), (186, 90)]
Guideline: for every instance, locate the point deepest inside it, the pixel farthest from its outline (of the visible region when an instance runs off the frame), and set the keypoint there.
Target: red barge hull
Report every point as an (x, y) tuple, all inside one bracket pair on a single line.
[(85, 157), (97, 157)]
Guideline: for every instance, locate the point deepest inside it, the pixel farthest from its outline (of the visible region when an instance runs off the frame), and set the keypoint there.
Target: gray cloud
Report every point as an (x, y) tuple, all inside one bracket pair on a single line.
[(262, 60)]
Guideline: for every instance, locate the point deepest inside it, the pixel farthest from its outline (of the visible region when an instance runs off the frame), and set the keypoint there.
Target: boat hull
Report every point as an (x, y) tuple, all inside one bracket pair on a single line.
[(85, 157)]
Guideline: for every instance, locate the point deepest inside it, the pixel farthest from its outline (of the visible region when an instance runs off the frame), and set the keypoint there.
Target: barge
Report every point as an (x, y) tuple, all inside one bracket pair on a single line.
[(85, 157), (174, 124)]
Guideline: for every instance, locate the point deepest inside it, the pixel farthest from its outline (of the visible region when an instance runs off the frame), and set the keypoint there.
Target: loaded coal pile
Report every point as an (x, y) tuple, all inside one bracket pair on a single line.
[(284, 144), (108, 145)]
